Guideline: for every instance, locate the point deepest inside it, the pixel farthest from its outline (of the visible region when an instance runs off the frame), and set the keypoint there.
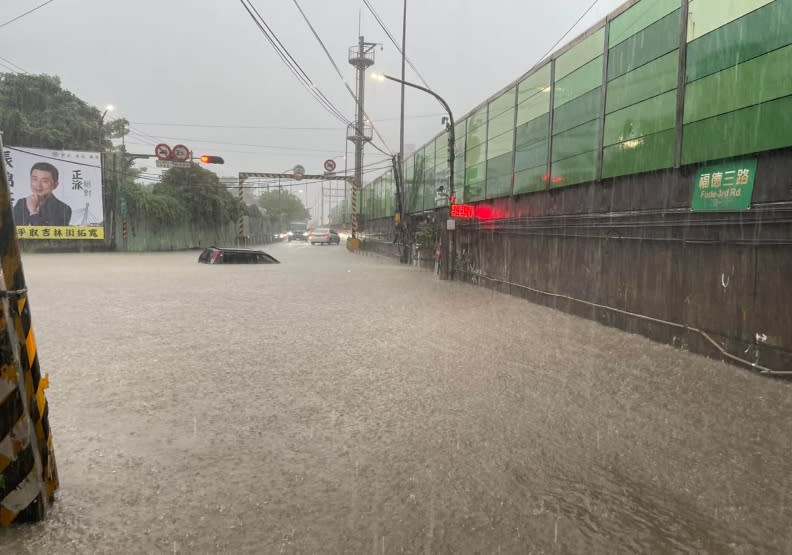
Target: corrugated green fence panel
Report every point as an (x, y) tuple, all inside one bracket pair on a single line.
[(577, 169), (645, 82), (644, 118), (762, 127), (582, 138), (655, 41), (759, 80), (757, 33), (530, 180), (638, 17), (652, 152), (581, 110)]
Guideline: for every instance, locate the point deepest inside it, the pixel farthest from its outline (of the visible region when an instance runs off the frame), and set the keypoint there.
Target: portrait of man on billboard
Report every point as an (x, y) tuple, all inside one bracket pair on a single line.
[(41, 207)]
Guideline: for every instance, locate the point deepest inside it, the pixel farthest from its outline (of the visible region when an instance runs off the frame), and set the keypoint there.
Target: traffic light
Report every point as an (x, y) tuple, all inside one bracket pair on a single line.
[(206, 159)]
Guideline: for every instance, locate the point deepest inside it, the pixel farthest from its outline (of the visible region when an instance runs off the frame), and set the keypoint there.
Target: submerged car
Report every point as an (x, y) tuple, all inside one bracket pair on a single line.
[(223, 255), (324, 236)]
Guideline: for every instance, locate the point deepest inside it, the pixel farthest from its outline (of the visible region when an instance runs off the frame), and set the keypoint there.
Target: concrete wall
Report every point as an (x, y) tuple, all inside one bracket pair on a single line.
[(141, 236)]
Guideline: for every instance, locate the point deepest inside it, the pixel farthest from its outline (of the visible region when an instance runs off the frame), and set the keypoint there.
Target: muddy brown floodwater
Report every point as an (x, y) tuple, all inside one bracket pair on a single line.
[(339, 403)]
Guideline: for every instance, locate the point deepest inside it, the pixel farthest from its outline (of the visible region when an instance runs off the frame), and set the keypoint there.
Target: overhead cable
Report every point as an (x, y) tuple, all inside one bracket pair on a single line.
[(291, 63), (338, 71), (274, 127), (579, 19), (7, 62), (20, 16), (396, 44)]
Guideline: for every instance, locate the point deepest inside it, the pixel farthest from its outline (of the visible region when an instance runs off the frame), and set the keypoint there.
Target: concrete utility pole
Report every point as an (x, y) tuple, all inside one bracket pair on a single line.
[(361, 56)]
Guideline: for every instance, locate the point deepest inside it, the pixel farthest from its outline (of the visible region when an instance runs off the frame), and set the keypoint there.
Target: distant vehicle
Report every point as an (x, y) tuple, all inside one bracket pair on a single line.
[(223, 255), (298, 231), (324, 236)]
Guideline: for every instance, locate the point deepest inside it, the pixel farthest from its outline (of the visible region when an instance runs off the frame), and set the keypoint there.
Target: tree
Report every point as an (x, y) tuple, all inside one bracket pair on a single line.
[(204, 199), (282, 207), (36, 112)]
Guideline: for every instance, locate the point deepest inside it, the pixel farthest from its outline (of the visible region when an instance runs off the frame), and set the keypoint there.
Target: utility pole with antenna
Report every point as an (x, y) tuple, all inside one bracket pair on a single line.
[(361, 56)]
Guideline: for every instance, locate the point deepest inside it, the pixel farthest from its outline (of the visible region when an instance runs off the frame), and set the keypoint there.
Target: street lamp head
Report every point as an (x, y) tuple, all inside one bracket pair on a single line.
[(109, 108), (378, 76)]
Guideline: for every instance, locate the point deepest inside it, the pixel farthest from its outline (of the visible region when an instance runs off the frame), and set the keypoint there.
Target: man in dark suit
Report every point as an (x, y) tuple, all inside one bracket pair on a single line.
[(41, 207)]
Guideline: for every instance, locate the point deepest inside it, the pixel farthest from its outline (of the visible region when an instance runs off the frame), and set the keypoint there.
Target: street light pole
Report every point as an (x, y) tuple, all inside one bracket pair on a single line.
[(401, 187), (401, 118), (449, 268), (450, 127)]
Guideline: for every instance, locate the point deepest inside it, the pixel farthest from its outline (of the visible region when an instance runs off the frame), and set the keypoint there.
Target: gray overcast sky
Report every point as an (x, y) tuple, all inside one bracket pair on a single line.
[(205, 62)]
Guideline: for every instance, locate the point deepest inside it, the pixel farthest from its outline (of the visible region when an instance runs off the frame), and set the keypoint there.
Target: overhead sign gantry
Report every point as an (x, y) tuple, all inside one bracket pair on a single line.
[(353, 243)]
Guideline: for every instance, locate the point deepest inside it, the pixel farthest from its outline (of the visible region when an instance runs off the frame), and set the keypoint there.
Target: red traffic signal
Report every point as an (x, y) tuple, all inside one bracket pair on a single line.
[(206, 159)]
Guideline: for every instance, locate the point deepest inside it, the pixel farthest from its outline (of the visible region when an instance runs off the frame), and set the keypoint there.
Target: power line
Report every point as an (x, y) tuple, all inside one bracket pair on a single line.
[(295, 68), (142, 175), (272, 147), (229, 126), (148, 135), (20, 16), (579, 19), (338, 71), (290, 61), (7, 61), (226, 150), (396, 44), (274, 127), (139, 136)]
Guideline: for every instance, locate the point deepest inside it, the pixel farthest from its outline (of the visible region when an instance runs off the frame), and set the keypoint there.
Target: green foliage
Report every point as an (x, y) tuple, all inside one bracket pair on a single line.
[(253, 211), (36, 112), (185, 195), (425, 236), (282, 207), (199, 192), (161, 211)]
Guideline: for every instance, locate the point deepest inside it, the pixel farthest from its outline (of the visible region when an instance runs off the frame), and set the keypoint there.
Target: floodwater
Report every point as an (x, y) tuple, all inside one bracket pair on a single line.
[(341, 403)]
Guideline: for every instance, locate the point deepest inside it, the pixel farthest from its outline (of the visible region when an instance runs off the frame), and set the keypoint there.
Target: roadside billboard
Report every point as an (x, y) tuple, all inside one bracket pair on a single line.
[(56, 194)]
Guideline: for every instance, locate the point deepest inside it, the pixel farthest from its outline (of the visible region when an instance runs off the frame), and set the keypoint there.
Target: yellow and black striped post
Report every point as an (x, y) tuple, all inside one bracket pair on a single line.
[(353, 243), (241, 235), (354, 209), (28, 473)]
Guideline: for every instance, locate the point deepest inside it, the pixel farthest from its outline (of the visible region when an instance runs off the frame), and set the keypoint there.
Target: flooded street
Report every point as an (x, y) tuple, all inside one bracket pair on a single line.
[(341, 403)]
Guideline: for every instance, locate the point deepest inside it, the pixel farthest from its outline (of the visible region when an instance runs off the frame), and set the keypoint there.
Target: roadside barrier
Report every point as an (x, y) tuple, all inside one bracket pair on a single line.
[(28, 472)]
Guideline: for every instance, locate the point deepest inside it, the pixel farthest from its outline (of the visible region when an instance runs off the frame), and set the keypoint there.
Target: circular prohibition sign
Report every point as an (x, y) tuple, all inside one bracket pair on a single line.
[(163, 151), (181, 153)]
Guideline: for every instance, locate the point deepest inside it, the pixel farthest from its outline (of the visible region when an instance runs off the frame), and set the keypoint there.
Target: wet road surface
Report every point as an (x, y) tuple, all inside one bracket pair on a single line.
[(342, 403)]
